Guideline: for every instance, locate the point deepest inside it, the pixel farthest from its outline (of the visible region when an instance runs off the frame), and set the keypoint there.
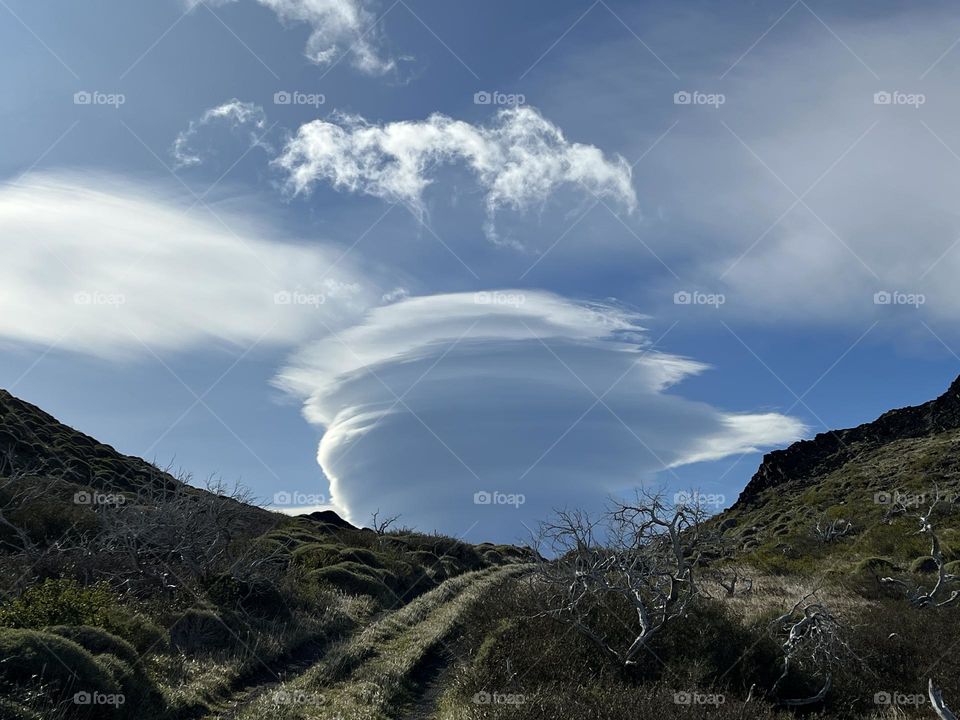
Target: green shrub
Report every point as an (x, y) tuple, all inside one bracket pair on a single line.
[(120, 660), (898, 540), (425, 558), (312, 556), (66, 602), (923, 565), (363, 556), (493, 557), (897, 647), (62, 665), (199, 630), (135, 628), (257, 596), (875, 566), (353, 579), (139, 693), (59, 602), (46, 521), (97, 641)]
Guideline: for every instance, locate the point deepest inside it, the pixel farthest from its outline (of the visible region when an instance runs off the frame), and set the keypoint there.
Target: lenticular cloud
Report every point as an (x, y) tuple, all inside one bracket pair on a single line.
[(501, 406), (116, 282)]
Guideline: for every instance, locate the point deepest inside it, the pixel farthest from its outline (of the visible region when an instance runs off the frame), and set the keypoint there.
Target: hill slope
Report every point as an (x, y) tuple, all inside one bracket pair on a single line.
[(878, 477), (177, 597)]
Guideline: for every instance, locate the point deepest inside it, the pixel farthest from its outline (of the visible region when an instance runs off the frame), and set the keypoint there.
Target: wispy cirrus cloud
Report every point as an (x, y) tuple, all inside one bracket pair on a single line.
[(431, 400), (234, 115), (519, 160), (338, 28)]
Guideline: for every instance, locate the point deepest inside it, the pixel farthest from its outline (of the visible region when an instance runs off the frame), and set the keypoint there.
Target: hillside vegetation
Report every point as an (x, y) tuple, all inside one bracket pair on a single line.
[(830, 589), (130, 593)]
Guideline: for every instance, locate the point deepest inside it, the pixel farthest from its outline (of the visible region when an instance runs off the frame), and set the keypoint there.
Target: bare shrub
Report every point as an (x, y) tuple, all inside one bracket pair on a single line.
[(943, 593), (640, 556)]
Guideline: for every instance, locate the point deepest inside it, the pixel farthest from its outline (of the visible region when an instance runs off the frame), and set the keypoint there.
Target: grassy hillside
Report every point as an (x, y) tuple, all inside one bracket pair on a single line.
[(870, 484), (127, 592), (130, 593)]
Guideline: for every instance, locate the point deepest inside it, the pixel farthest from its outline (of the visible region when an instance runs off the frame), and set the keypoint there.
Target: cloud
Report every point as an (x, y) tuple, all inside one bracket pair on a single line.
[(337, 28), (519, 160), (398, 293), (871, 150), (432, 400), (236, 116), (97, 266)]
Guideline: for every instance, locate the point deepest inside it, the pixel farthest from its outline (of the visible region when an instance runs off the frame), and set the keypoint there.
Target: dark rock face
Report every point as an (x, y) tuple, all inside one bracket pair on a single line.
[(329, 517), (809, 459)]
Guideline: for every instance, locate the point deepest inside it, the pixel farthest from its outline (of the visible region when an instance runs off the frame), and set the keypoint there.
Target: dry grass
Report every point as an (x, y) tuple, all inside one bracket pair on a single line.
[(771, 593), (366, 677)]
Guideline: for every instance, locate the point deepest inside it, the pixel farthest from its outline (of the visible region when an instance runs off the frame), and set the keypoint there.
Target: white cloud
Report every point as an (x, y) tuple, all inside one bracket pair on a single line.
[(97, 266), (398, 293), (236, 116), (883, 179), (337, 28), (519, 161), (498, 393)]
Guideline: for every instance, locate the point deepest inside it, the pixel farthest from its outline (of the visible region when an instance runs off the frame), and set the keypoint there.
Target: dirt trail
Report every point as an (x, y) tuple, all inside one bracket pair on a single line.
[(395, 669), (266, 679), (428, 683)]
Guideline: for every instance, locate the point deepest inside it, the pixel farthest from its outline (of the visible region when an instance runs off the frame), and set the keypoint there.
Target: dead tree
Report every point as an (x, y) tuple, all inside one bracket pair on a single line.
[(936, 699), (641, 556), (17, 493), (829, 531), (899, 504), (918, 596), (811, 639), (730, 579), (23, 544), (382, 525)]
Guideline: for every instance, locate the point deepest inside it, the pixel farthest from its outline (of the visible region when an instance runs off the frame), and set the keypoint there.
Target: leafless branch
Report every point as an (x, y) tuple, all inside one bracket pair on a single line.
[(643, 553), (936, 699), (942, 594)]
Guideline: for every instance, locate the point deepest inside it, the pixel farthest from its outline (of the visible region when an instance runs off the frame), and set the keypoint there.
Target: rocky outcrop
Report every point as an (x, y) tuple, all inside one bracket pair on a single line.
[(809, 459)]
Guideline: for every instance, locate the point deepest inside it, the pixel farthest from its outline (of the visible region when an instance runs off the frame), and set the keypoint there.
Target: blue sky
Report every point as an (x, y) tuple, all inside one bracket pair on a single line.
[(675, 237)]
